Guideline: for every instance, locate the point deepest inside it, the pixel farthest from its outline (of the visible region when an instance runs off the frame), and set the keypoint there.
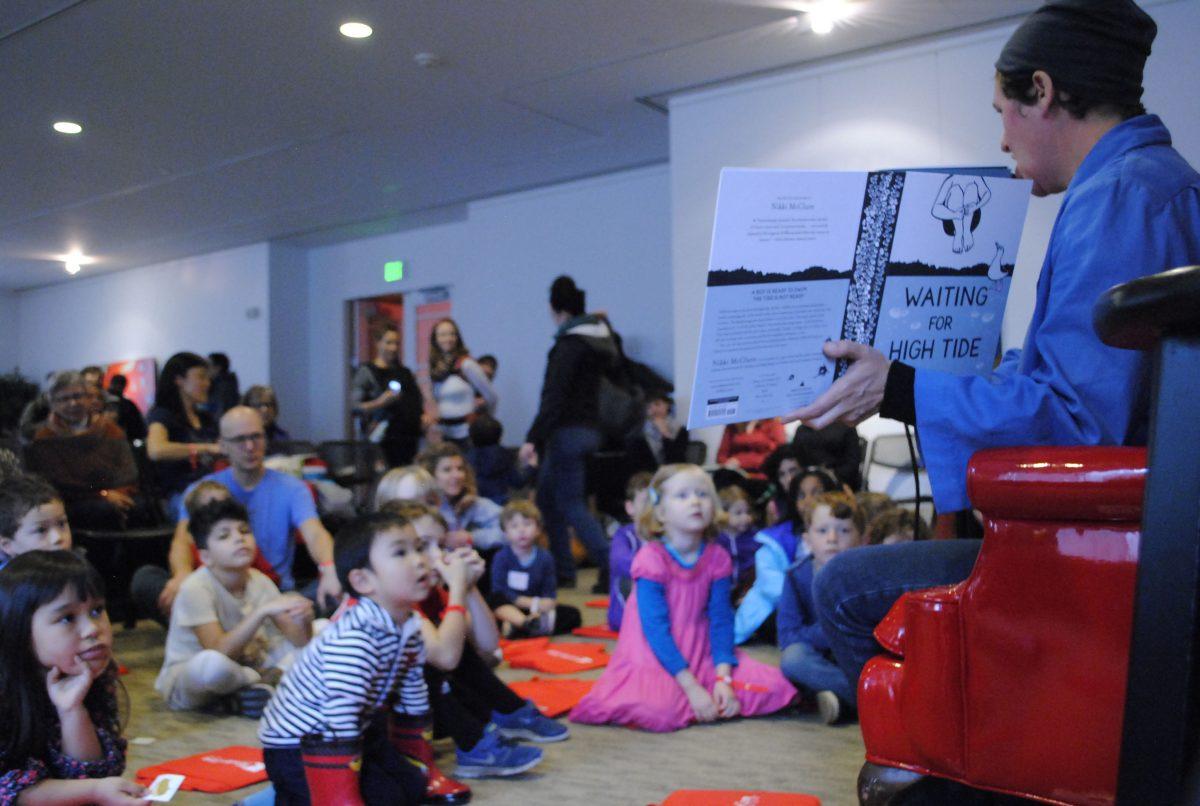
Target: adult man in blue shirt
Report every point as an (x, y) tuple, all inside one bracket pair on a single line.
[(1068, 89), (277, 503)]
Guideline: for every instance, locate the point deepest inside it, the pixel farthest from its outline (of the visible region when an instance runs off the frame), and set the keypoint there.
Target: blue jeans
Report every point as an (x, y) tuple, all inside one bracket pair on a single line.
[(562, 497), (857, 588), (812, 671)]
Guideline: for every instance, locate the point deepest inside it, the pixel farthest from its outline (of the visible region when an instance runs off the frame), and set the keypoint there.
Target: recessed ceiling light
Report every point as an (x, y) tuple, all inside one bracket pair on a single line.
[(74, 260), (72, 268), (67, 127), (356, 30), (822, 14)]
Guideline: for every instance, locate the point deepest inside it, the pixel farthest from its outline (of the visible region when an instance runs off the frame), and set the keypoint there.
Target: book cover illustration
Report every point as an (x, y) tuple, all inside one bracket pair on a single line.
[(917, 264)]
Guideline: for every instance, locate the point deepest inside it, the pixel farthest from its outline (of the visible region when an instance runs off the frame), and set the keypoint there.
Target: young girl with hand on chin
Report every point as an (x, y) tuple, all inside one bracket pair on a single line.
[(675, 662), (61, 742)]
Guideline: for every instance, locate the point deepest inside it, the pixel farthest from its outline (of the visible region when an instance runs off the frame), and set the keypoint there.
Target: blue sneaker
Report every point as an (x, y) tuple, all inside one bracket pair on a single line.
[(493, 757), (528, 723)]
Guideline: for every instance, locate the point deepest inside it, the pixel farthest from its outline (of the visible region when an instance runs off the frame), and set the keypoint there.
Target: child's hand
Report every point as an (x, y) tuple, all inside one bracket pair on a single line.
[(476, 567), (292, 605), (117, 792), (68, 690), (725, 700), (454, 571), (702, 704)]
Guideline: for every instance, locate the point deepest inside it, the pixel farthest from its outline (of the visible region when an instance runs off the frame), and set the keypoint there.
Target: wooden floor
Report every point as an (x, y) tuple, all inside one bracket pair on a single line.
[(598, 765)]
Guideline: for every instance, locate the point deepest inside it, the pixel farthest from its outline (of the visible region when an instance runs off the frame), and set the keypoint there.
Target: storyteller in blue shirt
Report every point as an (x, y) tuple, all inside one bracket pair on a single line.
[(1068, 89)]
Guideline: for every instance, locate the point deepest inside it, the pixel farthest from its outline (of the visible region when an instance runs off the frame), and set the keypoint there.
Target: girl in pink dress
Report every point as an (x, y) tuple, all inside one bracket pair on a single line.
[(675, 661)]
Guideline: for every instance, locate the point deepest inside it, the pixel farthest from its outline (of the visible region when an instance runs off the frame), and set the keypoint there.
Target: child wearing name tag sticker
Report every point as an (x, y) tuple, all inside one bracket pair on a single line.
[(524, 585)]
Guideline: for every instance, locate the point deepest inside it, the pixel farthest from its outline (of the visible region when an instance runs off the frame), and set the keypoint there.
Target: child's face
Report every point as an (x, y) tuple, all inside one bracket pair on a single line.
[(637, 505), (686, 503), (788, 469), (741, 518), (399, 574), (657, 408), (809, 486), (451, 476), (44, 527), (828, 536), (72, 634), (230, 546), (433, 534), (522, 532)]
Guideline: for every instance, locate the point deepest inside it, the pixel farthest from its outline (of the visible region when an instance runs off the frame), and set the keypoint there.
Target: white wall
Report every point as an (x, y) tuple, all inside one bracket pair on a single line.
[(610, 233), (287, 327), (923, 104), (211, 303), (9, 332)]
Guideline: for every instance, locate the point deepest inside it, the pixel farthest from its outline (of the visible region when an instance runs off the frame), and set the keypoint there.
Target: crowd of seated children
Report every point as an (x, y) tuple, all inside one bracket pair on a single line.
[(32, 517), (779, 546), (497, 472), (62, 740), (625, 544), (833, 523), (738, 536), (232, 633), (524, 581), (337, 729), (675, 662)]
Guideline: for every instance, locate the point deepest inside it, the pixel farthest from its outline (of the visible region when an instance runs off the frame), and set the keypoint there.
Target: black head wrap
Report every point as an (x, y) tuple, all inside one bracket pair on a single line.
[(1093, 48)]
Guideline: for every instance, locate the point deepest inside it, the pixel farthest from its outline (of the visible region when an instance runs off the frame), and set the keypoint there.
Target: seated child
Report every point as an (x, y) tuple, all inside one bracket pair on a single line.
[(335, 730), (496, 470), (738, 537), (896, 525), (779, 547), (473, 520), (409, 483), (232, 632), (675, 662), (625, 544), (470, 704), (32, 517), (833, 523), (524, 581), (61, 741)]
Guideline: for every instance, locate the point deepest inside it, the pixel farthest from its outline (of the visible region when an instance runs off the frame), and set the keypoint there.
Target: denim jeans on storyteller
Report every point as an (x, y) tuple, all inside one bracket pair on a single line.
[(856, 589), (562, 497), (812, 671)]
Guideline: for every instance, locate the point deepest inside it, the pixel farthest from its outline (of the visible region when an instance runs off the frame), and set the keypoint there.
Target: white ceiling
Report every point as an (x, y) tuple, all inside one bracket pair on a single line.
[(213, 124)]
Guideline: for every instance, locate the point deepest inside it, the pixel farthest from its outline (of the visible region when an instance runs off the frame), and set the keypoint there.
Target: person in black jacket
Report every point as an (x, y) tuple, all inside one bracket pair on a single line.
[(388, 400), (565, 431), (836, 447)]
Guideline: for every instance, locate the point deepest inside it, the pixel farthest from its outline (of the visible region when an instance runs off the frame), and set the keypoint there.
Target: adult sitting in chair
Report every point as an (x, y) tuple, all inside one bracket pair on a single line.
[(84, 455), (1068, 89), (279, 504)]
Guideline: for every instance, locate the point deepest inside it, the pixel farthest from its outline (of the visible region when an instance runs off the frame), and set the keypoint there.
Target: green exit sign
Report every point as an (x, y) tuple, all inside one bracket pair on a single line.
[(393, 270)]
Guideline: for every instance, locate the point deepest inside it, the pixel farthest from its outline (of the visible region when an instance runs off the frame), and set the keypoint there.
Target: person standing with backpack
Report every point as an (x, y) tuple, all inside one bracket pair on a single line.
[(567, 429)]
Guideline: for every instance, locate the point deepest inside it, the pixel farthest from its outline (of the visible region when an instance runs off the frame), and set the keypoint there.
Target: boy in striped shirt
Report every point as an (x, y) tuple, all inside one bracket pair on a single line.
[(334, 731)]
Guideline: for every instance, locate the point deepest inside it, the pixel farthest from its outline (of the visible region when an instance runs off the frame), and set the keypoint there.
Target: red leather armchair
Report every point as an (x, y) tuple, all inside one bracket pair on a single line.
[(1014, 680)]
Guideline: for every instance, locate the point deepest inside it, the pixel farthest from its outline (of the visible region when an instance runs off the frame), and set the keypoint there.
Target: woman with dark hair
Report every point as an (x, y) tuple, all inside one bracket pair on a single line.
[(388, 401), (181, 437), (457, 379), (566, 429)]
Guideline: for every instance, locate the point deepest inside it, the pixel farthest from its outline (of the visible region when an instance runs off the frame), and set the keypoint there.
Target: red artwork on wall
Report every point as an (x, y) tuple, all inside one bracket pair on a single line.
[(141, 375)]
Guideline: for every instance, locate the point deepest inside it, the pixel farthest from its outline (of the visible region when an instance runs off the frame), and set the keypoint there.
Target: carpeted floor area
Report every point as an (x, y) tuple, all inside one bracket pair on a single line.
[(596, 766)]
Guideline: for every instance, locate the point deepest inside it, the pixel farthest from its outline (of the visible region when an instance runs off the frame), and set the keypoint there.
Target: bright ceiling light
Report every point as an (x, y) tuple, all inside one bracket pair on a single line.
[(67, 127), (824, 13), (74, 260), (72, 268), (356, 30)]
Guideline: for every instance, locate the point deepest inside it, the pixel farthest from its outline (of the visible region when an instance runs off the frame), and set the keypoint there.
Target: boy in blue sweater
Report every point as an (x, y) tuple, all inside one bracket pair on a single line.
[(833, 523)]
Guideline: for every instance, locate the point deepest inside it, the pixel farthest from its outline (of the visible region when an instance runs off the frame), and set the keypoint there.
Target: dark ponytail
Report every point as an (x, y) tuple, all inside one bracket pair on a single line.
[(565, 297)]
